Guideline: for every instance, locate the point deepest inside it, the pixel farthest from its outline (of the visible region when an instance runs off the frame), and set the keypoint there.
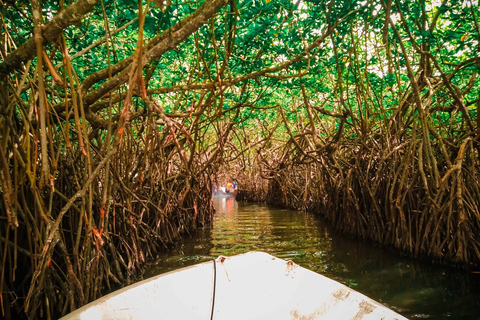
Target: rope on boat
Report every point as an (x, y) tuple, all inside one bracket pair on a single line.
[(214, 286)]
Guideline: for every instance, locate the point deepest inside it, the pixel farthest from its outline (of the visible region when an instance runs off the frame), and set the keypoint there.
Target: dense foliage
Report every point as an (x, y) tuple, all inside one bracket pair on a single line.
[(116, 117)]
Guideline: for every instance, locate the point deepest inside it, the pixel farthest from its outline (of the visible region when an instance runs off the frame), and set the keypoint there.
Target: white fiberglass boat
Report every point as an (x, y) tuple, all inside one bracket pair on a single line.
[(254, 285)]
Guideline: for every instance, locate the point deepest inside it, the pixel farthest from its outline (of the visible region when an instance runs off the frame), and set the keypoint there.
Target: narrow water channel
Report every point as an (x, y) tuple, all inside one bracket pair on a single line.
[(415, 289)]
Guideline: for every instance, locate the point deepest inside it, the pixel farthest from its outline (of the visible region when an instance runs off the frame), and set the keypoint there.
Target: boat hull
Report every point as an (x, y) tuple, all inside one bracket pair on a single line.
[(225, 192), (255, 285)]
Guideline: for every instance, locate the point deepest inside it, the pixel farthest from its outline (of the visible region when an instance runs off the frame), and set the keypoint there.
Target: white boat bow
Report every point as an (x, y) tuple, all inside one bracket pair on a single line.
[(254, 285)]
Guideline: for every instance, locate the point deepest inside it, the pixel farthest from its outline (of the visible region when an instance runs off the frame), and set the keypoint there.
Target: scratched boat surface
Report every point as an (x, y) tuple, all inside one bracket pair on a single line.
[(253, 285)]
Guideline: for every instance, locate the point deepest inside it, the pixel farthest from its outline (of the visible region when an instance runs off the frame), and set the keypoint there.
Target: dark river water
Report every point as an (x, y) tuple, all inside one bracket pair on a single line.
[(415, 289)]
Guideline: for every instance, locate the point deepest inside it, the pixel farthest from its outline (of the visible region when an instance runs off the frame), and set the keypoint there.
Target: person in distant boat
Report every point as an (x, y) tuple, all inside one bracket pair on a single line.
[(231, 187)]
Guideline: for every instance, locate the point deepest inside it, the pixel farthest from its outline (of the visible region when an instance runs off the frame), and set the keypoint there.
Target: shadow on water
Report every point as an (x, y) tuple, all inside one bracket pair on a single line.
[(415, 289)]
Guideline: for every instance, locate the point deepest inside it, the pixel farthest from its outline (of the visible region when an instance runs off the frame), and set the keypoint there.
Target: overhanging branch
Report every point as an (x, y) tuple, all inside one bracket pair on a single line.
[(71, 15)]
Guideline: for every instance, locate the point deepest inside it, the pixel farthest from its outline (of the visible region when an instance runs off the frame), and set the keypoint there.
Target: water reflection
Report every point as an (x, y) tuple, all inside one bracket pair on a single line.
[(226, 206), (415, 289)]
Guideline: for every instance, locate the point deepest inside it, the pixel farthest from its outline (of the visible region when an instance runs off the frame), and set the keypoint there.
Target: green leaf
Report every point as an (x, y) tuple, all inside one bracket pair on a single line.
[(150, 25)]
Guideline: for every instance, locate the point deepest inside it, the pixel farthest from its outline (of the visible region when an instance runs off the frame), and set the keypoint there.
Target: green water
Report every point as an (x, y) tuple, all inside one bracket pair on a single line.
[(417, 290)]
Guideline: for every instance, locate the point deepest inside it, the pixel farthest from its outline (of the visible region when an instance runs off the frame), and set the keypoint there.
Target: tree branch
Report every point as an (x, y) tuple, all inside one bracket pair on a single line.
[(71, 15)]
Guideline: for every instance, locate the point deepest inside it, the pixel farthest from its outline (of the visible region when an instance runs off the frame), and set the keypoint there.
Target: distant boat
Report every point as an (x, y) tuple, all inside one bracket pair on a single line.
[(231, 190), (254, 285)]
